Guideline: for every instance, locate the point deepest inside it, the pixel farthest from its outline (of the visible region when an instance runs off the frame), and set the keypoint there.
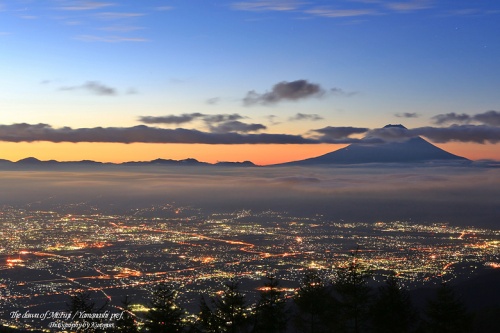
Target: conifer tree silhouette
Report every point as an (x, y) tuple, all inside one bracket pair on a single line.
[(81, 303), (228, 312), (392, 310), (165, 315), (353, 294), (127, 323), (317, 309), (270, 315), (446, 313)]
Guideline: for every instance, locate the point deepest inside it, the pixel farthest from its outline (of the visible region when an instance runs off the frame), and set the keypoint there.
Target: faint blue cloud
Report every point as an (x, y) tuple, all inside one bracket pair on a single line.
[(327, 12), (276, 5), (408, 6), (164, 8), (85, 5), (117, 15), (110, 39)]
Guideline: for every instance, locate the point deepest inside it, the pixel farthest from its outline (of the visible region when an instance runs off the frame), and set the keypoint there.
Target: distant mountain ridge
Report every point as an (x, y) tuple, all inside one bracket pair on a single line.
[(412, 150), (32, 161)]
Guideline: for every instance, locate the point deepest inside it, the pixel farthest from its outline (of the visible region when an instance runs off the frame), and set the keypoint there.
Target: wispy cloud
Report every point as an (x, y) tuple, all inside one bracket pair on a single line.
[(276, 5), (407, 115), (284, 91), (111, 39), (303, 116), (121, 28), (117, 15), (171, 119), (163, 8), (340, 9), (340, 92), (94, 87), (408, 6), (85, 5), (213, 101), (335, 13)]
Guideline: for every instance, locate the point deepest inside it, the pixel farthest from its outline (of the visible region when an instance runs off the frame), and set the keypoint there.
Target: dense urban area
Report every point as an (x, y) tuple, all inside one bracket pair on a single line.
[(48, 256)]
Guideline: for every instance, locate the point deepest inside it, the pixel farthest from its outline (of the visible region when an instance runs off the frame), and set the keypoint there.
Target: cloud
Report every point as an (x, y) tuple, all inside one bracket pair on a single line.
[(303, 116), (117, 15), (213, 101), (272, 119), (236, 126), (291, 91), (491, 118), (209, 119), (407, 115), (450, 118), (218, 118), (94, 87), (122, 28), (341, 92), (110, 39), (409, 6), (336, 13), (164, 8), (171, 119), (339, 133), (270, 5), (460, 133), (85, 5), (44, 132), (454, 133)]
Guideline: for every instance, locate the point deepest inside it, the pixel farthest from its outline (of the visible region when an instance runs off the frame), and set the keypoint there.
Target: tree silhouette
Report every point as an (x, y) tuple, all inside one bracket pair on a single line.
[(126, 323), (354, 295), (165, 315), (81, 303), (228, 312), (270, 315), (446, 313), (207, 321), (317, 308), (392, 310)]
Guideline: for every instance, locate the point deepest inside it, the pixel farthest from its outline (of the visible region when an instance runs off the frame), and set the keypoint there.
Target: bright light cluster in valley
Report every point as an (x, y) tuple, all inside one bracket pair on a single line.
[(47, 255)]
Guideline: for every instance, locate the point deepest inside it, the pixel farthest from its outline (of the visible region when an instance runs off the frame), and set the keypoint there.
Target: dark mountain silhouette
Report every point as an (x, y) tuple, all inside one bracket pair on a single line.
[(412, 150), (34, 163)]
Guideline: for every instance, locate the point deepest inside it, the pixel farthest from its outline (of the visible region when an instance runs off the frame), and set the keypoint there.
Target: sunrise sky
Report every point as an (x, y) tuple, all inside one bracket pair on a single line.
[(266, 81)]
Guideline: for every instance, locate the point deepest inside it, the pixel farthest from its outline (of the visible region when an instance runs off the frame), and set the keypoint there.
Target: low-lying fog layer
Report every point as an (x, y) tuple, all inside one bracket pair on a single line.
[(459, 195)]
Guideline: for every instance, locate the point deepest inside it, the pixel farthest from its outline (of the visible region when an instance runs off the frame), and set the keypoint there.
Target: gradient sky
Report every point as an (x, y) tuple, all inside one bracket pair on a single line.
[(267, 81)]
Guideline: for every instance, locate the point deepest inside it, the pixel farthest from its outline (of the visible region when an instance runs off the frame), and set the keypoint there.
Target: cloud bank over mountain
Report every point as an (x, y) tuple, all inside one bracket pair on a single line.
[(225, 129)]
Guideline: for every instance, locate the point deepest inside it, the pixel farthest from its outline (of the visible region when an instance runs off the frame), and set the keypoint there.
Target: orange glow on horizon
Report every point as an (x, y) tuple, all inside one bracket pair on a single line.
[(260, 154), (472, 151)]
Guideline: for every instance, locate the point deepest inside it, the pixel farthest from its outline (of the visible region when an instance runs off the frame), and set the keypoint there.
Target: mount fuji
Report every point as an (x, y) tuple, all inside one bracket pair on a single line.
[(411, 150)]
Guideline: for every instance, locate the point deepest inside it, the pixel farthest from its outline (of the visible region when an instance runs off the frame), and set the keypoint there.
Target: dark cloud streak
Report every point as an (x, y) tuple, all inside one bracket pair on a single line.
[(44, 132), (284, 91), (236, 126), (171, 119), (303, 116), (407, 115), (491, 118)]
